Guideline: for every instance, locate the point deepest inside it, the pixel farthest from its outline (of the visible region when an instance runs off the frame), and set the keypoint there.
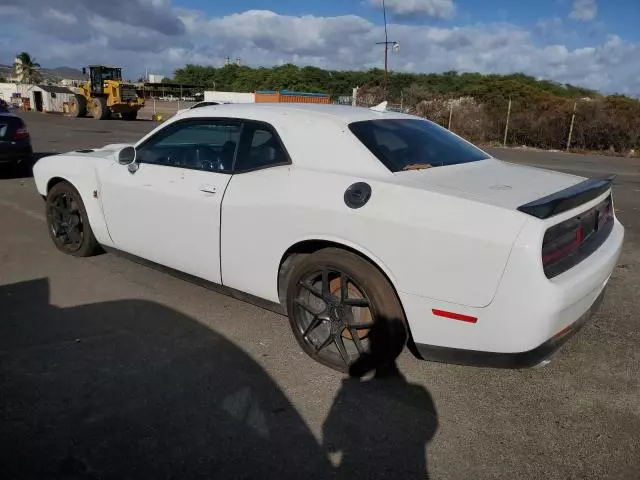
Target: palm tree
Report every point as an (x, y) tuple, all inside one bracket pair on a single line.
[(27, 68)]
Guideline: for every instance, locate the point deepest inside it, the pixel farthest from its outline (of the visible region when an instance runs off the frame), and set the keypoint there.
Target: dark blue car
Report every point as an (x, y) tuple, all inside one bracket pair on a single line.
[(15, 141)]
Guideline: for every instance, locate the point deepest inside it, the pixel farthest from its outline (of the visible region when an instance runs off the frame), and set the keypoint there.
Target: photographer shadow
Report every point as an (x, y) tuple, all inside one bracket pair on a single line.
[(380, 424)]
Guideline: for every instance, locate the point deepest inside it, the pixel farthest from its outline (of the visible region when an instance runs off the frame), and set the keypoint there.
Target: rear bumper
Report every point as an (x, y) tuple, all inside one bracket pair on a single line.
[(520, 327), (527, 359)]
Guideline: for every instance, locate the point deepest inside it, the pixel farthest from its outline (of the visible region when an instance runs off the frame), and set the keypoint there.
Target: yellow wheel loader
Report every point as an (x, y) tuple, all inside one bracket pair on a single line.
[(105, 94)]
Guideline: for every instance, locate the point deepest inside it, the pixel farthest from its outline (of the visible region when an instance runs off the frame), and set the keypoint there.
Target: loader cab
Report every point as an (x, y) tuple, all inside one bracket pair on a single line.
[(98, 74)]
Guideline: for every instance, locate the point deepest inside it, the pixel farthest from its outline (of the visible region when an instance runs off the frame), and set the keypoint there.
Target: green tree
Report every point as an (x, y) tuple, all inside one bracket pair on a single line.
[(27, 69)]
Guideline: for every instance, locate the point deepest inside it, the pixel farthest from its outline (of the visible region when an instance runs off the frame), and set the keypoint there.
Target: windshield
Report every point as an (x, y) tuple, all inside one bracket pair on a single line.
[(408, 144), (111, 74)]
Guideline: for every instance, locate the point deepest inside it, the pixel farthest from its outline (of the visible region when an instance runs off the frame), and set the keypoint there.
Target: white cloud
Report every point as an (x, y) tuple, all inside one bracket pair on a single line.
[(169, 38), (430, 8), (584, 10)]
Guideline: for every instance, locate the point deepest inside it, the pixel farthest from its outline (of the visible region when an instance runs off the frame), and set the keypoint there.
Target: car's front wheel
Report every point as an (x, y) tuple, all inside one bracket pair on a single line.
[(344, 312), (68, 222)]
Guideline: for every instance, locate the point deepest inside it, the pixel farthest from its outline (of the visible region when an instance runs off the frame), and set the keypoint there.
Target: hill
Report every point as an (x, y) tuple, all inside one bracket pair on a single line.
[(49, 74)]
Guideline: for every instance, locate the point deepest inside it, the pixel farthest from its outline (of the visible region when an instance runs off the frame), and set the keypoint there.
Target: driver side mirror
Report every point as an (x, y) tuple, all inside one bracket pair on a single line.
[(127, 156)]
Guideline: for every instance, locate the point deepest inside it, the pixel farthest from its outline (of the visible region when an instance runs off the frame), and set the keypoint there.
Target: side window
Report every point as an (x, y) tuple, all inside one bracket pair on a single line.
[(260, 147), (208, 145)]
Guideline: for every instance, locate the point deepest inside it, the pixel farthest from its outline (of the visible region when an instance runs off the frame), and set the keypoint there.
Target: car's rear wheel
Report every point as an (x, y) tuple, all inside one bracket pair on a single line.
[(344, 312), (68, 222)]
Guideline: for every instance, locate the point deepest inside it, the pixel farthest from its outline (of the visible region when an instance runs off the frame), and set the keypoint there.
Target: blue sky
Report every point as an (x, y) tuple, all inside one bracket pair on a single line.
[(595, 43)]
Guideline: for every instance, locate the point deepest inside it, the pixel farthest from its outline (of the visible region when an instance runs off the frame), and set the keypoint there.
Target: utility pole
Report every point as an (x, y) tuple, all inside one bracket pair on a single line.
[(573, 120), (386, 44), (506, 127), (450, 113)]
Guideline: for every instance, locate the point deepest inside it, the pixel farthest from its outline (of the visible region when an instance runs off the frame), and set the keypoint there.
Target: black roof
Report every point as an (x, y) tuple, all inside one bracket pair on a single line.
[(54, 89)]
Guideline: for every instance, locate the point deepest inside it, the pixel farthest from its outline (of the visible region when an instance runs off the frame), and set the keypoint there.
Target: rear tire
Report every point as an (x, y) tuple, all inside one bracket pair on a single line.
[(344, 312), (100, 109), (78, 106), (68, 222)]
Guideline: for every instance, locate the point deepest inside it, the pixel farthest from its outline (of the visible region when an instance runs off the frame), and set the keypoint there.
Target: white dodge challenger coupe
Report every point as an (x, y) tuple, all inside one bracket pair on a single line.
[(370, 229)]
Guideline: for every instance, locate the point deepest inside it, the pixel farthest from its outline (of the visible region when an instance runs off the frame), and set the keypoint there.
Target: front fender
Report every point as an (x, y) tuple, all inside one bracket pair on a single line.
[(83, 173)]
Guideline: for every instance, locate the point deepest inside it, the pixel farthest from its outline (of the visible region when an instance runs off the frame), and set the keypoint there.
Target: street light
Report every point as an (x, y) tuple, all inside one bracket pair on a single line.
[(394, 45)]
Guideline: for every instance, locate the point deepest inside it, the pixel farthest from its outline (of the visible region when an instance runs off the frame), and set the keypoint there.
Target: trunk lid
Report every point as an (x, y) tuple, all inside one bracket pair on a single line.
[(491, 181)]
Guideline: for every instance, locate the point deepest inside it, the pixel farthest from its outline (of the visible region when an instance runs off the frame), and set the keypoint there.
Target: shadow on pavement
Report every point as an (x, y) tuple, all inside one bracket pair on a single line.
[(133, 389), (10, 171), (381, 427)]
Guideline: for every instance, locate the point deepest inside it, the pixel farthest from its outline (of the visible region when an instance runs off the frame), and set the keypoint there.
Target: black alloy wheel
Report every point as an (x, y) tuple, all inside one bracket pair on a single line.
[(68, 222), (344, 312)]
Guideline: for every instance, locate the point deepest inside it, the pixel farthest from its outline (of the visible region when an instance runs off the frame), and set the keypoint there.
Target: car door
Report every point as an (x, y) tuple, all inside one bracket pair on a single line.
[(167, 210), (253, 212)]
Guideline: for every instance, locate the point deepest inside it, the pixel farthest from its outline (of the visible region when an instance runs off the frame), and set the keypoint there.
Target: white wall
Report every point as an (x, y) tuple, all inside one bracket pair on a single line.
[(155, 78), (232, 97), (7, 90), (51, 104)]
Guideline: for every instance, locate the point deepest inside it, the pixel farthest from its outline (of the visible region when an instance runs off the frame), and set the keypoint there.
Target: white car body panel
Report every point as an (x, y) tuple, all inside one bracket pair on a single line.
[(302, 205), (492, 181), (448, 238), (160, 208)]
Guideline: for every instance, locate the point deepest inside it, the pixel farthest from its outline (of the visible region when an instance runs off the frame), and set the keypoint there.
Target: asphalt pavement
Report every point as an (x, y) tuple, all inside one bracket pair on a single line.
[(110, 369)]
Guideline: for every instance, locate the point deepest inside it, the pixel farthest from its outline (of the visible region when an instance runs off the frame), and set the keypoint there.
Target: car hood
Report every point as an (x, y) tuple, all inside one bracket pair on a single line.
[(490, 181), (105, 152)]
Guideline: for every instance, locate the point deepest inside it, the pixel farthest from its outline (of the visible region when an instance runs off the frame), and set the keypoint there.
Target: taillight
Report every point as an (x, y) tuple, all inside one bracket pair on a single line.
[(561, 240), (570, 242), (21, 134)]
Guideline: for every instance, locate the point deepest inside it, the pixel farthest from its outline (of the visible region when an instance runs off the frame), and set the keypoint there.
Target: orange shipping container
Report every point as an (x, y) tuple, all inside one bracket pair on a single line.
[(286, 96)]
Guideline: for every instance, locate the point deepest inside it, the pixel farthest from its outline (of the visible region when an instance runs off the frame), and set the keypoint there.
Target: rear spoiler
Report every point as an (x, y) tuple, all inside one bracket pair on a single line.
[(567, 199)]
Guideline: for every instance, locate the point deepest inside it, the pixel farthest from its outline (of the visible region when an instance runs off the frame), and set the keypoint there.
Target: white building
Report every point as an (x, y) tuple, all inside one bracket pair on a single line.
[(155, 78), (8, 92), (231, 97), (46, 98)]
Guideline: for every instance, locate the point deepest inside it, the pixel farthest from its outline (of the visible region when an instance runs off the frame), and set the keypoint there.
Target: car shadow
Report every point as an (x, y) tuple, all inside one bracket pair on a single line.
[(10, 171), (134, 389), (380, 424)]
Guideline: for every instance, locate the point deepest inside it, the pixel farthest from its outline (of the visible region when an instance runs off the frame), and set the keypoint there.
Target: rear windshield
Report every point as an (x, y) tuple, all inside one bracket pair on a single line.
[(406, 144)]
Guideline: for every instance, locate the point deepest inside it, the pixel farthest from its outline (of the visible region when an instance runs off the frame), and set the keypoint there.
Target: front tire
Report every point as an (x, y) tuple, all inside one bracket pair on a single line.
[(68, 222), (100, 109), (344, 313), (78, 106)]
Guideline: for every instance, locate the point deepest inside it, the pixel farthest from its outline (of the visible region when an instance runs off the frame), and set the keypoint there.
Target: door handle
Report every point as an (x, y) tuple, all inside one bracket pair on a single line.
[(208, 189)]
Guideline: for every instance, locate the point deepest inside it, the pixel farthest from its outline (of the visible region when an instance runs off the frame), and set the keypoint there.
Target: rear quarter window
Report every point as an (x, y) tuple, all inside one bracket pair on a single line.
[(401, 144)]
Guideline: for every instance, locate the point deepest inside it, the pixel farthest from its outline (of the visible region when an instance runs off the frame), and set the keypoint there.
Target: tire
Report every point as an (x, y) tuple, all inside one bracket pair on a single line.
[(130, 116), (100, 109), (69, 227), (78, 106), (368, 321)]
